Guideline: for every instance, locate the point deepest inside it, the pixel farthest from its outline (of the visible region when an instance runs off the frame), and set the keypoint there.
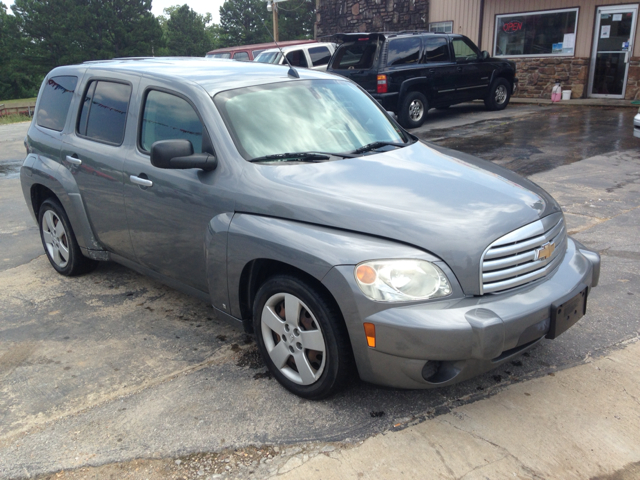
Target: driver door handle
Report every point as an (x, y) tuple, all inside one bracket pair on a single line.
[(143, 182), (74, 160)]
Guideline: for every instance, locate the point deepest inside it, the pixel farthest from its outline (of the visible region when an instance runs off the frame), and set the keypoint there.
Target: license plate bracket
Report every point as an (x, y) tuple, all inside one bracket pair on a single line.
[(567, 311)]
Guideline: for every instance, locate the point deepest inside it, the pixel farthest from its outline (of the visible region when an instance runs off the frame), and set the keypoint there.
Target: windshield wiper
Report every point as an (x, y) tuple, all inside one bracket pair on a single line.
[(374, 145), (304, 156)]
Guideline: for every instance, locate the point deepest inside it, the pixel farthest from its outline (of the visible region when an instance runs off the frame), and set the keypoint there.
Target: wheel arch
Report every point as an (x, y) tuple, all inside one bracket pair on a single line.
[(258, 271), (417, 84), (44, 178)]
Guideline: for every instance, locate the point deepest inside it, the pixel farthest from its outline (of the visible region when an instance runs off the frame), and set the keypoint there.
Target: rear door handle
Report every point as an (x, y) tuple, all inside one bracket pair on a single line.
[(432, 70), (74, 160), (459, 68), (143, 182)]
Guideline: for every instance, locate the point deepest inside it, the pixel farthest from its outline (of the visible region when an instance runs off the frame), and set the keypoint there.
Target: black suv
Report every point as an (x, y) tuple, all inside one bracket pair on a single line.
[(410, 72)]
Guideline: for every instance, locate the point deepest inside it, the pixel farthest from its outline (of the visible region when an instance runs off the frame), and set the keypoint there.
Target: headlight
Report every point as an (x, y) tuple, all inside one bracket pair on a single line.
[(401, 280)]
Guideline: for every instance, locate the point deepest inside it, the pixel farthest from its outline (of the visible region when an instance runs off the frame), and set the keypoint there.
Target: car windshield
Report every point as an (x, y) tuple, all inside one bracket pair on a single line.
[(329, 116), (268, 57)]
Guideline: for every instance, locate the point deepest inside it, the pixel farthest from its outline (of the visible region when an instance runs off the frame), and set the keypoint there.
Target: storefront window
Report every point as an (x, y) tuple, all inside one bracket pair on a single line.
[(537, 34)]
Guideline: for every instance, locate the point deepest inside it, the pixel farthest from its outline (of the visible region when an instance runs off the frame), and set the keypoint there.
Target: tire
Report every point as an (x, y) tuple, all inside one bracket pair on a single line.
[(60, 242), (499, 95), (414, 110), (311, 365)]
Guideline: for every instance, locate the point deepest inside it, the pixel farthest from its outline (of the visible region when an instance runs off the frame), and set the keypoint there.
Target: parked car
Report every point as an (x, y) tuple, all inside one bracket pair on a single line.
[(299, 208), (315, 56), (247, 53), (408, 73), (636, 124)]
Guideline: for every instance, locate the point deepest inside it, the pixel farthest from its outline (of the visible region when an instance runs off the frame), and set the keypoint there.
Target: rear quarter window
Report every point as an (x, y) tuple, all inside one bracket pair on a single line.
[(436, 50), (403, 51), (358, 55), (55, 101)]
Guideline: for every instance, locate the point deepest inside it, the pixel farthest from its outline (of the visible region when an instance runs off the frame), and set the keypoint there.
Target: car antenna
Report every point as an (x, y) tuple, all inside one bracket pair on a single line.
[(293, 73)]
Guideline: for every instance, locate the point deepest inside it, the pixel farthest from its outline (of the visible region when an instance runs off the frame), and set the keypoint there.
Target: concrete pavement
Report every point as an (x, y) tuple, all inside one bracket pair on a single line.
[(579, 423)]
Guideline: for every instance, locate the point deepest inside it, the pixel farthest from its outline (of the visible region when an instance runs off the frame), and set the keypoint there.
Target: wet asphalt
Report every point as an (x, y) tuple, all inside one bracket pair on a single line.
[(113, 366), (548, 137)]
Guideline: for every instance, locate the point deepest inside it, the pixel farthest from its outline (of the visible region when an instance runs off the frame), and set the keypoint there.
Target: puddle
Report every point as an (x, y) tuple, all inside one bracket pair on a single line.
[(10, 169), (545, 140)]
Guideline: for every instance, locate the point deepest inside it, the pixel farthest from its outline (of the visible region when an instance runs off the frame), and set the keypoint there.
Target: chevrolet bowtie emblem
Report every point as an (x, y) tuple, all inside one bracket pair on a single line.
[(545, 251)]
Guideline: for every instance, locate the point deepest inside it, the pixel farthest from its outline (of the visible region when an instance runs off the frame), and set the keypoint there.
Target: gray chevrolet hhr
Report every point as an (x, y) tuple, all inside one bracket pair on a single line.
[(295, 205)]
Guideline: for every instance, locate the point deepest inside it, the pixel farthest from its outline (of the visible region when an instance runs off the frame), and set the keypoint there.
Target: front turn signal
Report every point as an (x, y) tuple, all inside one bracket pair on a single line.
[(370, 332)]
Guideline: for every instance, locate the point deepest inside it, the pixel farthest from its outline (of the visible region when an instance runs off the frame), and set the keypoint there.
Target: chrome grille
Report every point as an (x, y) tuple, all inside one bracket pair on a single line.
[(513, 260)]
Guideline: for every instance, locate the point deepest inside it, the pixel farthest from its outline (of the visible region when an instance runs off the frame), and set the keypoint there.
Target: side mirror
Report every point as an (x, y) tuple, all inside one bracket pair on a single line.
[(178, 154), (484, 55)]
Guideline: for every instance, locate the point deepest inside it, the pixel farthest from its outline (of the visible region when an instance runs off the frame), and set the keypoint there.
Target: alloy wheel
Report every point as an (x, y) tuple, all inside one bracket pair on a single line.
[(55, 238), (293, 338), (501, 94)]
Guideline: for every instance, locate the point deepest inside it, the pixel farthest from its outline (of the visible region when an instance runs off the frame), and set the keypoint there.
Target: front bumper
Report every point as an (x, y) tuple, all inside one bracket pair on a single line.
[(458, 338)]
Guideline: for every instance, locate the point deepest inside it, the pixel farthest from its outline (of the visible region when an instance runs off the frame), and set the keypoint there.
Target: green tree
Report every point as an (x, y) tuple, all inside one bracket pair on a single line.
[(122, 28), (186, 32), (17, 78), (296, 19), (241, 22)]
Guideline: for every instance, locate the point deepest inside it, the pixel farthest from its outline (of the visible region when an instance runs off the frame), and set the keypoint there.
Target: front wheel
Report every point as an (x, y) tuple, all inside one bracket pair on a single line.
[(302, 337), (414, 110), (499, 95)]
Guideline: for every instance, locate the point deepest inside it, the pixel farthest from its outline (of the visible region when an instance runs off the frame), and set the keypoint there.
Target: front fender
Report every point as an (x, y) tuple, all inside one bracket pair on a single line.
[(311, 248), (41, 170)]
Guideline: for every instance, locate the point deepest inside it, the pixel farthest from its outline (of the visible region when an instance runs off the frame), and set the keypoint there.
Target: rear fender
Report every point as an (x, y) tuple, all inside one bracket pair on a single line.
[(420, 84), (41, 170)]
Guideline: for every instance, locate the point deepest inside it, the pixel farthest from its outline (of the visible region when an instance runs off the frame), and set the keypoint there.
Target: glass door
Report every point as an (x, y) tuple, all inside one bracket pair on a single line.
[(612, 49)]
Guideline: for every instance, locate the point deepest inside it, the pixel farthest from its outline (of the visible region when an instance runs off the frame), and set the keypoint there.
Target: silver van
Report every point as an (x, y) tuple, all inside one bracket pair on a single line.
[(298, 208)]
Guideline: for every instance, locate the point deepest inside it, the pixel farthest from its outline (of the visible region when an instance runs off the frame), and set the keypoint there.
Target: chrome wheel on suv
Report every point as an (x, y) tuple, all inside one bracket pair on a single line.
[(499, 95), (414, 110)]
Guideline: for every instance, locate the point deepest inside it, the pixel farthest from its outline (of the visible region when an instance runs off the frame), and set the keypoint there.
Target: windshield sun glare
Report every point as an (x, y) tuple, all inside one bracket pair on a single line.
[(304, 116)]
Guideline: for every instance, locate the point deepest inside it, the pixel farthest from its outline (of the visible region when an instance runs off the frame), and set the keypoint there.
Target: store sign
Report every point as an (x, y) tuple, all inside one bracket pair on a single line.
[(512, 27)]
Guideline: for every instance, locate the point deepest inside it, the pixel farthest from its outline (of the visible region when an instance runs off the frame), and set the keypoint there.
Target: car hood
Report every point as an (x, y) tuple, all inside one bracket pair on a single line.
[(447, 203)]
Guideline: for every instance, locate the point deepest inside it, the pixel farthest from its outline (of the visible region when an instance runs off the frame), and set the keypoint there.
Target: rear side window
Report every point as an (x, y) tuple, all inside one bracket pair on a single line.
[(168, 117), (55, 101), (257, 52), (104, 111), (241, 56), (319, 56), (403, 51), (436, 50), (355, 55), (219, 55), (297, 58)]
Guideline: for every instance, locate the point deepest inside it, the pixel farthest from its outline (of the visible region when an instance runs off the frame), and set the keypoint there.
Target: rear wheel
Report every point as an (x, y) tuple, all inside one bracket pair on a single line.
[(414, 110), (499, 95), (59, 241), (302, 337)]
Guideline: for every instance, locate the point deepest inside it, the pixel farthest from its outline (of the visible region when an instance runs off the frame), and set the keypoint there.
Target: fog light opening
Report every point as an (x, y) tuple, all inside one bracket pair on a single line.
[(430, 369)]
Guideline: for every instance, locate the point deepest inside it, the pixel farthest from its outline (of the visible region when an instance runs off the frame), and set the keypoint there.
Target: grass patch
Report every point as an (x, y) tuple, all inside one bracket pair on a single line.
[(14, 119), (19, 102)]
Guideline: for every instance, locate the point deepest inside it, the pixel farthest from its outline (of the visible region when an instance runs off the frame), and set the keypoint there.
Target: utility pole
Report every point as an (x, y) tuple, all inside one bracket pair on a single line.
[(275, 22)]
